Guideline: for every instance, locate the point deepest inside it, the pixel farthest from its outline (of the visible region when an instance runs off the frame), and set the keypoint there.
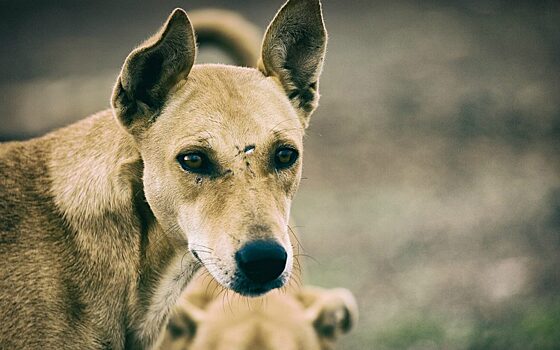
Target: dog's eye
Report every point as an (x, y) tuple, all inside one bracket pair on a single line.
[(285, 157), (194, 162)]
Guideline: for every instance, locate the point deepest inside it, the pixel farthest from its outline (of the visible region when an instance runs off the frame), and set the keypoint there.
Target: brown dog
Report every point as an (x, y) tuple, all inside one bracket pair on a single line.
[(307, 318), (104, 222)]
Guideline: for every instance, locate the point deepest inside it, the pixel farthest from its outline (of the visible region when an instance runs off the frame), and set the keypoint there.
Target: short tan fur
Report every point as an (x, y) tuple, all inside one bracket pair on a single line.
[(103, 223)]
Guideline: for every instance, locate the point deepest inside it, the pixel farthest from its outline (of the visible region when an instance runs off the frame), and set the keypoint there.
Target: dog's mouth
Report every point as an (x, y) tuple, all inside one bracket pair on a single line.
[(248, 288), (260, 266)]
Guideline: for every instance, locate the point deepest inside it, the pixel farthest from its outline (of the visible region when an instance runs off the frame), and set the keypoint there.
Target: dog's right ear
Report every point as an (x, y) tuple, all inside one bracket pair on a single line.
[(152, 70)]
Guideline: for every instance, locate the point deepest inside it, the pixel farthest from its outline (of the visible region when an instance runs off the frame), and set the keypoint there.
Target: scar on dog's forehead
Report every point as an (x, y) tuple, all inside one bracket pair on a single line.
[(249, 149)]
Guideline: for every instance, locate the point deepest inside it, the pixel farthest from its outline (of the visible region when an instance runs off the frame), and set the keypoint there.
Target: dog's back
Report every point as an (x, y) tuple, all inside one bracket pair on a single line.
[(46, 293), (32, 251), (229, 31)]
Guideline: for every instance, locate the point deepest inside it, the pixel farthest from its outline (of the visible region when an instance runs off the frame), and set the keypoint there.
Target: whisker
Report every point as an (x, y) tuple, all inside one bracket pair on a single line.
[(296, 237), (308, 256), (202, 246)]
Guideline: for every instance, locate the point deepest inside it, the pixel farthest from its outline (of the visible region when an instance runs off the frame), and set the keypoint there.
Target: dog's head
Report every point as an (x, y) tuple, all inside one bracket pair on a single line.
[(222, 146), (311, 319)]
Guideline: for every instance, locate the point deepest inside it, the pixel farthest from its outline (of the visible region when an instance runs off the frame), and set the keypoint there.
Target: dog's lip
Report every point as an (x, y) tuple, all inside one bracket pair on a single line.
[(253, 292), (247, 288)]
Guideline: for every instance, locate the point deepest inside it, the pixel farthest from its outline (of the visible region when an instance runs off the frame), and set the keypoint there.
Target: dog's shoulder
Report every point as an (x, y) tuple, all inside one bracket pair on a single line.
[(38, 243), (23, 182), (27, 214)]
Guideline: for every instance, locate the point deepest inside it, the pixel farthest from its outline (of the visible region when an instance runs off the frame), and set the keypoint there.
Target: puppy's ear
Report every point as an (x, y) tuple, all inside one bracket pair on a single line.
[(152, 70), (187, 315), (332, 311), (181, 327), (293, 51)]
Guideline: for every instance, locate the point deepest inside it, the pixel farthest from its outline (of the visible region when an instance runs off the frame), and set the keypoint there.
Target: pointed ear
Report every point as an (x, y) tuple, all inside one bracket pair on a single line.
[(332, 311), (293, 51), (152, 70), (189, 312), (181, 326)]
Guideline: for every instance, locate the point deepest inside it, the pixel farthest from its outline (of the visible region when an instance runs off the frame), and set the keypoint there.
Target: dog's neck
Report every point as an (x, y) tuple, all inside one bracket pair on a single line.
[(96, 175)]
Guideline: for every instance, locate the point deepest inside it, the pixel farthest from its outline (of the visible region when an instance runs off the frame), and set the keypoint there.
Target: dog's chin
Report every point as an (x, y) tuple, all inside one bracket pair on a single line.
[(241, 285)]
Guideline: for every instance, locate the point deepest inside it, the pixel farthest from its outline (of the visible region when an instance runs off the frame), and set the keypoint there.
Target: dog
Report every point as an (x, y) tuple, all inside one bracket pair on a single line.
[(104, 222), (298, 318)]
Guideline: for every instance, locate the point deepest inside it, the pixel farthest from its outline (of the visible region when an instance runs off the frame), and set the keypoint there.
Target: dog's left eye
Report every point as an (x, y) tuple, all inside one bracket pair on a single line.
[(195, 162), (285, 157)]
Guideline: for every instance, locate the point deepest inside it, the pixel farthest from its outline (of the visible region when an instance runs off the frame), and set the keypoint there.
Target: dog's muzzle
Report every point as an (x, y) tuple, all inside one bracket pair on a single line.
[(261, 262)]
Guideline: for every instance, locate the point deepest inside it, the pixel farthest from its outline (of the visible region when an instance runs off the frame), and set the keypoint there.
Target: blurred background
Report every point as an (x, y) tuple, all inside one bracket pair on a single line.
[(432, 184)]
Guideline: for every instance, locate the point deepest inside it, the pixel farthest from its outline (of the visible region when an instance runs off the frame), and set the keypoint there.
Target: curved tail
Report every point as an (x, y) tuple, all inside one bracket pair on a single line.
[(229, 31)]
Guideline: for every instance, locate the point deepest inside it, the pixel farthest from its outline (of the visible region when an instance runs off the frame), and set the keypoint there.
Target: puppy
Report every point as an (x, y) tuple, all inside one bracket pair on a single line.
[(104, 222), (309, 318)]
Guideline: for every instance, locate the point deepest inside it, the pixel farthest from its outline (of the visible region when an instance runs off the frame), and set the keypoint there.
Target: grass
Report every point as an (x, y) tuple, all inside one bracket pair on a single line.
[(521, 326)]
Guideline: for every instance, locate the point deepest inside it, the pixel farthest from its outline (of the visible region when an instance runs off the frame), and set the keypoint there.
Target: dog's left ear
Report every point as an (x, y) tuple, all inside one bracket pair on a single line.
[(332, 311), (293, 51), (152, 70)]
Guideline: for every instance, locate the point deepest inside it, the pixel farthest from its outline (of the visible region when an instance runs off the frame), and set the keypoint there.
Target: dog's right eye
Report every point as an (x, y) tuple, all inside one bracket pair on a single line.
[(194, 162), (285, 157)]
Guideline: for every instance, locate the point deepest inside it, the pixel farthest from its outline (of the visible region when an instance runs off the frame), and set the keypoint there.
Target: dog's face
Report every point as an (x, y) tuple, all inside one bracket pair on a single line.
[(226, 174), (222, 146)]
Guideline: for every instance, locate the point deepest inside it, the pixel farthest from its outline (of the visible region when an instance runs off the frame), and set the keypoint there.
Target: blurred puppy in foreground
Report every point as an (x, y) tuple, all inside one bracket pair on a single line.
[(307, 318)]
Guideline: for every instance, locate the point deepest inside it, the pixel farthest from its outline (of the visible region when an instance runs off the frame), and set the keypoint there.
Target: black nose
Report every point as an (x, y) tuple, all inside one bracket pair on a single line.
[(261, 261)]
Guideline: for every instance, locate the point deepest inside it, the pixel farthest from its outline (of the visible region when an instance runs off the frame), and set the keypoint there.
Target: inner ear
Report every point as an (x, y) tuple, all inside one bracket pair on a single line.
[(151, 71), (181, 325), (293, 51), (189, 312), (332, 311)]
